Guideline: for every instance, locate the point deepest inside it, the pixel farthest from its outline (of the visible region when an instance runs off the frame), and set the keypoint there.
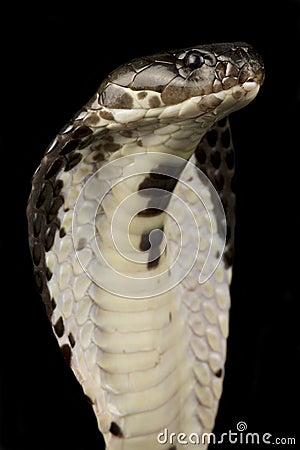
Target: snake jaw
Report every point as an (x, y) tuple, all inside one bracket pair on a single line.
[(203, 109)]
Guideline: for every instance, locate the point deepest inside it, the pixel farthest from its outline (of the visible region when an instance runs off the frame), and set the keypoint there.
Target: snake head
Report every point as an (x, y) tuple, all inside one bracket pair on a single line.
[(214, 78)]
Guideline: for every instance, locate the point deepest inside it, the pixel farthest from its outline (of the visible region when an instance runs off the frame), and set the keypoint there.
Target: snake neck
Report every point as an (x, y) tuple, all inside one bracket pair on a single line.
[(130, 222), (146, 182)]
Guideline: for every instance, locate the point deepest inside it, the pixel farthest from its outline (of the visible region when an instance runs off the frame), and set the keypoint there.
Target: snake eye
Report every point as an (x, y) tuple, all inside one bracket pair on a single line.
[(193, 60)]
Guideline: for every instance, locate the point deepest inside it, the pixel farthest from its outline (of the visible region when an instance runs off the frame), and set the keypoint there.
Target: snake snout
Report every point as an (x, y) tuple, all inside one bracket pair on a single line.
[(252, 71), (253, 67), (258, 72)]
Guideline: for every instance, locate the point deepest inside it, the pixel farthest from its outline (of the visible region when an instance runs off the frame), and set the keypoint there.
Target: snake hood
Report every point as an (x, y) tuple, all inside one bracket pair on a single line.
[(210, 75)]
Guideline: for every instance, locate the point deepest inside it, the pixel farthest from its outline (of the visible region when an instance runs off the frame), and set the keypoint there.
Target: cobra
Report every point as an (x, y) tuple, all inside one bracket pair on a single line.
[(147, 344)]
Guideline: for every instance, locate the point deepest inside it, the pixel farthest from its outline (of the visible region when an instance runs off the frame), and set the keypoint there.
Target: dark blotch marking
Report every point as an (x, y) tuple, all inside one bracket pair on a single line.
[(125, 101), (81, 244), (111, 147), (71, 340), (56, 204), (107, 115), (212, 137), (153, 263), (49, 236), (215, 158), (150, 212), (73, 160), (229, 256), (155, 183), (54, 168), (116, 430), (81, 132), (154, 102), (158, 181), (98, 156), (115, 96), (70, 146), (62, 232), (67, 353), (127, 133), (170, 316), (145, 243), (158, 200), (92, 119), (48, 274), (45, 193), (44, 202), (154, 254), (59, 328), (219, 373), (153, 246), (58, 185), (85, 142), (153, 186), (36, 253), (37, 224), (172, 448), (142, 95), (200, 154), (53, 304)]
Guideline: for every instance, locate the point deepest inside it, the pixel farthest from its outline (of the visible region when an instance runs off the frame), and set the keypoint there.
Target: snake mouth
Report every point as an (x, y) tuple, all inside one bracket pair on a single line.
[(259, 78), (203, 109), (252, 73)]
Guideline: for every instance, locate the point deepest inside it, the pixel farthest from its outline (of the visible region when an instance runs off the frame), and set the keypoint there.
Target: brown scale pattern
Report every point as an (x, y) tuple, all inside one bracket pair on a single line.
[(45, 201), (215, 157)]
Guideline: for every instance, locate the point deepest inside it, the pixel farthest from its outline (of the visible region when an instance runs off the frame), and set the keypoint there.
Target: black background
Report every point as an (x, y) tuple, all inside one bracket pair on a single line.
[(52, 63)]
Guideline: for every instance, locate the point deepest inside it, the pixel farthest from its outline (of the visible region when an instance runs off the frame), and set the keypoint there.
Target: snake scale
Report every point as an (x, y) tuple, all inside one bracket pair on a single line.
[(123, 219)]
